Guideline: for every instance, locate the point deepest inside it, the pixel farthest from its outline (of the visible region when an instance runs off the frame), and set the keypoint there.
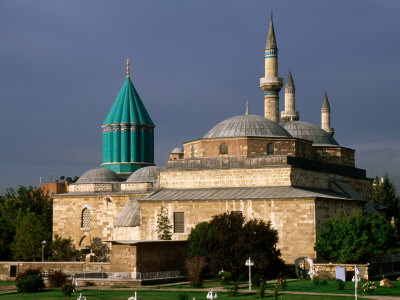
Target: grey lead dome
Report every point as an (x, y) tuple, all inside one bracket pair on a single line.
[(307, 131), (146, 174), (247, 125), (99, 175)]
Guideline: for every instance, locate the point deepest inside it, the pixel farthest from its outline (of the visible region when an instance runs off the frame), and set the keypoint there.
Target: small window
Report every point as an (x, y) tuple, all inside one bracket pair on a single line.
[(179, 222), (85, 220), (13, 271), (192, 151), (270, 148), (223, 149)]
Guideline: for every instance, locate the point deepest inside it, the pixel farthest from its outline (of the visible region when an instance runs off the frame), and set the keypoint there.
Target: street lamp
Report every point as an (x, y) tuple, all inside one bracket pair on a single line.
[(356, 279), (43, 245), (211, 295), (249, 263)]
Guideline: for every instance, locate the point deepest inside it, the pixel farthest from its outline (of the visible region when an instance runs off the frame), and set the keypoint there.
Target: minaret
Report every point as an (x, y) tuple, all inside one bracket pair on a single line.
[(326, 116), (128, 138), (290, 113), (271, 83)]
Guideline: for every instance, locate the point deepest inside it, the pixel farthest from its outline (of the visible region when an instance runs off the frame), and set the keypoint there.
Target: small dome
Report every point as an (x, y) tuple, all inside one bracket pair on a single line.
[(310, 132), (98, 175), (146, 174), (177, 150), (247, 125)]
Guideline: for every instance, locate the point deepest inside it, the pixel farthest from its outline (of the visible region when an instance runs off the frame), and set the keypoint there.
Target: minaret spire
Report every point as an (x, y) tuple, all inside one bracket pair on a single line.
[(326, 116), (271, 83), (247, 107), (290, 113), (128, 74)]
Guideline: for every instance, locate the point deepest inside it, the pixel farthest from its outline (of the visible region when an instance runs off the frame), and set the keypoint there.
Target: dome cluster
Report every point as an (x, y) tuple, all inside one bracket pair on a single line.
[(257, 126)]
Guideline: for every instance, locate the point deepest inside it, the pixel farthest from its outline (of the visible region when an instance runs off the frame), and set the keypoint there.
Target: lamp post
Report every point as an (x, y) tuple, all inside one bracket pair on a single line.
[(249, 263), (43, 245), (356, 279)]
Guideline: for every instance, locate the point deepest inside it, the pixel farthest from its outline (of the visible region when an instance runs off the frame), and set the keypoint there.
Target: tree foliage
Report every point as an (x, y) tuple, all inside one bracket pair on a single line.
[(355, 239), (385, 194), (163, 225), (14, 205), (29, 235), (63, 249), (228, 241), (100, 249)]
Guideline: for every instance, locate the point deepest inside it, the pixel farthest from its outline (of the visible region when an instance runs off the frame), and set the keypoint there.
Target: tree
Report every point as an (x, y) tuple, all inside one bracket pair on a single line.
[(163, 225), (62, 249), (28, 238), (100, 249), (227, 241), (355, 239), (385, 194), (14, 205)]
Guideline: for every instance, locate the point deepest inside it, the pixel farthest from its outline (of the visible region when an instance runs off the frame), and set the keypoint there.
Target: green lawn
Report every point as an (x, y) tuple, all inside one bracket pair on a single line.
[(154, 295), (7, 283)]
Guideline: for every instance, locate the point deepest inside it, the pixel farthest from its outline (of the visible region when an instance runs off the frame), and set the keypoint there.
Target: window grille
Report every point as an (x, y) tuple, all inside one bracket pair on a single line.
[(223, 149), (179, 222), (85, 222), (270, 148)]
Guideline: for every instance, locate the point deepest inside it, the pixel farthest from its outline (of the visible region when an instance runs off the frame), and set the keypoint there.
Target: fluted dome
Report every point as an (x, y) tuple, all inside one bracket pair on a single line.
[(177, 150), (99, 175), (247, 125), (146, 174), (311, 132)]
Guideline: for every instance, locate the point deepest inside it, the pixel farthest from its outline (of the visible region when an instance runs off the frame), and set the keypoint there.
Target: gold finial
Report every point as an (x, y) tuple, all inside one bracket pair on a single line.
[(247, 107), (128, 74)]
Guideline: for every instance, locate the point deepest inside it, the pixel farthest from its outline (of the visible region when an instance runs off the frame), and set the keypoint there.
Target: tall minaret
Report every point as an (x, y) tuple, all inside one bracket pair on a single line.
[(290, 113), (271, 83), (326, 116)]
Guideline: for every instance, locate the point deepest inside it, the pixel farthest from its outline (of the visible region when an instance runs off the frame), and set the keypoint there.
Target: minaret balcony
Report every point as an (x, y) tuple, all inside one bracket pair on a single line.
[(271, 83)]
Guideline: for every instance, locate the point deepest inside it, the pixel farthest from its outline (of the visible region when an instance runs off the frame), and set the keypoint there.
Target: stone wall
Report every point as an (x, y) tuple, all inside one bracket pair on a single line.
[(148, 256), (335, 155), (328, 271), (293, 218), (247, 146), (104, 209), (66, 267), (235, 177)]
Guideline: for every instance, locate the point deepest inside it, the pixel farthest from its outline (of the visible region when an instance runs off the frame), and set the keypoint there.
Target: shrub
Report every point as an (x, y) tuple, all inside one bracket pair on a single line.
[(368, 287), (316, 280), (257, 279), (261, 291), (339, 284), (56, 278), (67, 288), (281, 282), (30, 284), (183, 296), (323, 282), (195, 266), (224, 277), (29, 271), (233, 288)]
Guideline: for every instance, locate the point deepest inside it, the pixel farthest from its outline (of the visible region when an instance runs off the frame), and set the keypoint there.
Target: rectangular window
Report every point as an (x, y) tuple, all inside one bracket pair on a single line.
[(179, 222), (13, 271)]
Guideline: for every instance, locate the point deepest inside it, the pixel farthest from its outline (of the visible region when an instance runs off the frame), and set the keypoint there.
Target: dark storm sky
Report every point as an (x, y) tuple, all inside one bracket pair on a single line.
[(194, 64)]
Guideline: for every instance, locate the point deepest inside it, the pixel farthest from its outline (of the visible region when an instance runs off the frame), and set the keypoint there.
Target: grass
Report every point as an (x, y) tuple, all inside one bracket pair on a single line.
[(7, 283), (154, 295)]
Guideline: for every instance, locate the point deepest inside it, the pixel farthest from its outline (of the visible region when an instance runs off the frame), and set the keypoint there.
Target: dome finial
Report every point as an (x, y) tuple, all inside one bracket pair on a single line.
[(128, 74), (247, 107)]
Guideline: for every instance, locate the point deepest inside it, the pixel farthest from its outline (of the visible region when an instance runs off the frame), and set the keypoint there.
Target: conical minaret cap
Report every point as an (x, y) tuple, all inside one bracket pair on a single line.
[(271, 41), (289, 82), (325, 104)]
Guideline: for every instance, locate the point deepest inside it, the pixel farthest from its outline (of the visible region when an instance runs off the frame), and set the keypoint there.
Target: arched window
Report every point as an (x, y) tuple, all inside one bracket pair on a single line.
[(270, 148), (223, 149), (85, 219)]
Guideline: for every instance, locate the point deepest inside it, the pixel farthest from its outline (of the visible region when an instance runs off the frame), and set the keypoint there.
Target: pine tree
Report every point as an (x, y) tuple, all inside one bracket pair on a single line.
[(163, 225), (385, 194)]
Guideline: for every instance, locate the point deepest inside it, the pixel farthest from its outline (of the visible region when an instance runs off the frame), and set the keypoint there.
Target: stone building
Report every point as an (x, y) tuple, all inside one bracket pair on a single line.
[(280, 169)]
